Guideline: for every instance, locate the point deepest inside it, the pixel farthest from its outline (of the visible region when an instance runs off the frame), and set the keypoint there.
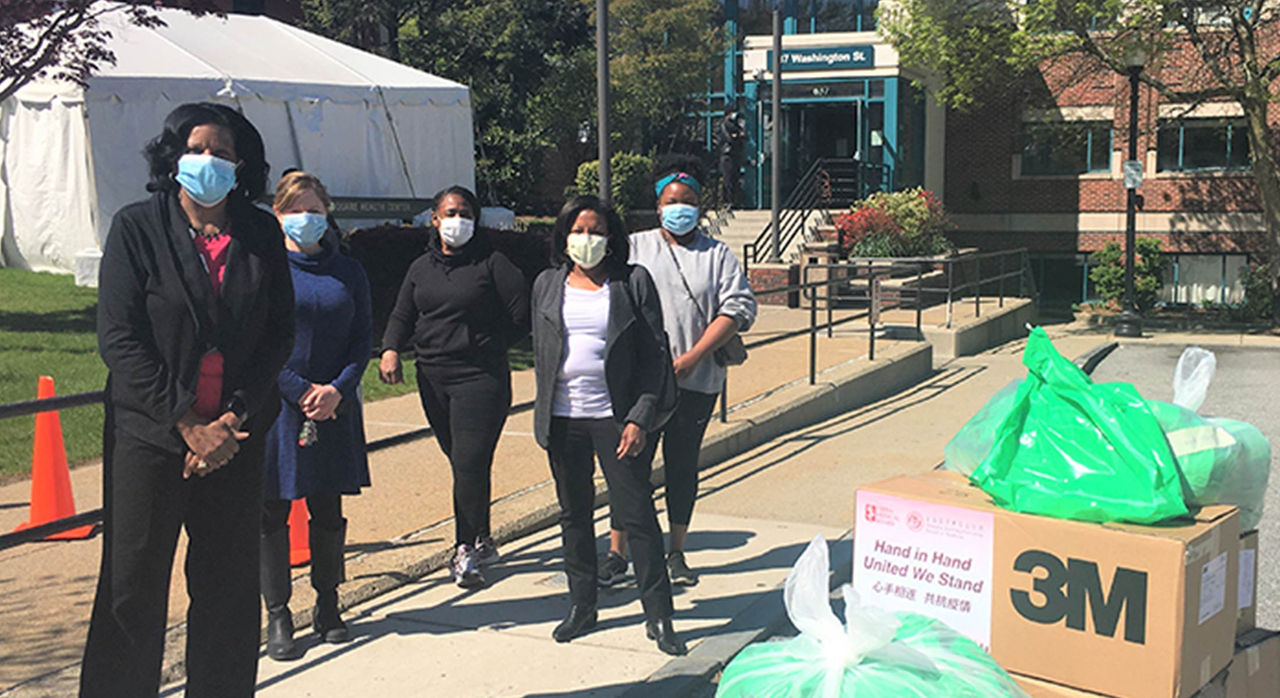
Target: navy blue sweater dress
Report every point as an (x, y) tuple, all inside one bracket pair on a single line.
[(331, 345)]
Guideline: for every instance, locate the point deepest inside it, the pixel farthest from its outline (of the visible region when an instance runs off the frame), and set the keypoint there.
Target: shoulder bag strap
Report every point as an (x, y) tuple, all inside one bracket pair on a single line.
[(680, 272)]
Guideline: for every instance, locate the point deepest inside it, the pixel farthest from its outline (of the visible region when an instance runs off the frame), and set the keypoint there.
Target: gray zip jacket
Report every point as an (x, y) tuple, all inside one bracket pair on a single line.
[(637, 364)]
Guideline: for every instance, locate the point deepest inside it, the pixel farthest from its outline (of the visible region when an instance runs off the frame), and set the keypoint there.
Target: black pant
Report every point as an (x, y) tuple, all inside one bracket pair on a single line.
[(146, 502), (467, 408), (681, 439), (729, 178), (575, 443), (325, 511)]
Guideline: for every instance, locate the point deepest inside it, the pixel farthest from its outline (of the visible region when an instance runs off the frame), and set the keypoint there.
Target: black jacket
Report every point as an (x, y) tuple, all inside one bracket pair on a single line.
[(158, 317), (461, 309), (637, 363)]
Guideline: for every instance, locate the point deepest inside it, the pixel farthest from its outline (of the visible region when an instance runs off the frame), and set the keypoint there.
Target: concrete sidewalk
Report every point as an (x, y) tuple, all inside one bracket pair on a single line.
[(401, 528), (755, 514)]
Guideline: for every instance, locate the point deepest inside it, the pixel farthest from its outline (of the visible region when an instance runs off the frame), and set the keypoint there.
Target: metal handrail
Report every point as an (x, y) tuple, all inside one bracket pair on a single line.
[(808, 289), (820, 184), (97, 397)]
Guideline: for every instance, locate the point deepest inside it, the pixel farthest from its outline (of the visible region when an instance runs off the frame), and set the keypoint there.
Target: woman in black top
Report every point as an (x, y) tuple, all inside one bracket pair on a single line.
[(195, 319), (604, 384), (463, 304)]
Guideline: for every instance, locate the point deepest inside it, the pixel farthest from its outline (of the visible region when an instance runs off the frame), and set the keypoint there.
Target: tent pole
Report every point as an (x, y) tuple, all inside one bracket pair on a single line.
[(404, 164), (293, 137)]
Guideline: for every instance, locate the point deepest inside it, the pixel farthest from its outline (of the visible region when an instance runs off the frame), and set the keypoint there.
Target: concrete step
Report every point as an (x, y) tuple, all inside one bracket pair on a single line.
[(741, 227)]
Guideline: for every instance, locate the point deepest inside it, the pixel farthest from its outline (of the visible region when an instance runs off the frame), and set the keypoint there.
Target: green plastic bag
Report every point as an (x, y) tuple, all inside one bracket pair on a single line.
[(966, 450), (873, 654), (1074, 449), (1224, 461)]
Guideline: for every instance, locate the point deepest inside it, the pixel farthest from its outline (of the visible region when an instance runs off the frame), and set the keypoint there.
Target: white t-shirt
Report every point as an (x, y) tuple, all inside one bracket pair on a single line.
[(581, 390)]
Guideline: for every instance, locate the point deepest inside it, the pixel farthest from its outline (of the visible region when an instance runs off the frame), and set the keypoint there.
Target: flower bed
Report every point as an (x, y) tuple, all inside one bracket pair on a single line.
[(909, 223)]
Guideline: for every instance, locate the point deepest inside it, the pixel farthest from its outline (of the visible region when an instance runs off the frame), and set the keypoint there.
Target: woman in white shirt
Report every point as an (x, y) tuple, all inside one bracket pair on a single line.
[(604, 382)]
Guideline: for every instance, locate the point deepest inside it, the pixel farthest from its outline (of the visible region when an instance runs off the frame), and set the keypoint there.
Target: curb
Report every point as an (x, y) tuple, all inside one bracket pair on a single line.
[(826, 399), (689, 676)]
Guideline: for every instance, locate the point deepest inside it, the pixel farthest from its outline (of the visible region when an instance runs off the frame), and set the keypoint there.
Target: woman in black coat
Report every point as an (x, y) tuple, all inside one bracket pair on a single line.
[(463, 304), (195, 319), (604, 383)]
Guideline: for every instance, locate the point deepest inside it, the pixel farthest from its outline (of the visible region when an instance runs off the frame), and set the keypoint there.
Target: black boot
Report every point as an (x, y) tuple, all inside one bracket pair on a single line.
[(276, 589), (326, 573), (580, 620), (661, 631)]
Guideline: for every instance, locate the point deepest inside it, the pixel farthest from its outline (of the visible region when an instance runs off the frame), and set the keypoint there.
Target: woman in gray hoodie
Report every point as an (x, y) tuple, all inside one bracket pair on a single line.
[(706, 300)]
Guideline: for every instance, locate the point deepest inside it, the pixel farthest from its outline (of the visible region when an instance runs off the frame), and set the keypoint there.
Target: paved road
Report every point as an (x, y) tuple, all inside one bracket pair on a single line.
[(1244, 388)]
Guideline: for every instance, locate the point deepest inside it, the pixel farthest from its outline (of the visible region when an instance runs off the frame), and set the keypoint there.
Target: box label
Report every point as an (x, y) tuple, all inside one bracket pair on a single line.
[(1213, 587), (1248, 558), (931, 559)]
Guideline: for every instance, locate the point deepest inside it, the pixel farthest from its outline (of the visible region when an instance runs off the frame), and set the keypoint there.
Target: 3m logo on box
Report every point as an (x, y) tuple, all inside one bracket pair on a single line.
[(1066, 589), (1115, 609)]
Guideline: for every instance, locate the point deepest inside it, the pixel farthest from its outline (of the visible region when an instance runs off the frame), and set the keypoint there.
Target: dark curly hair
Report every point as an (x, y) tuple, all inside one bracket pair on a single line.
[(679, 162), (466, 194), (163, 151), (619, 245)]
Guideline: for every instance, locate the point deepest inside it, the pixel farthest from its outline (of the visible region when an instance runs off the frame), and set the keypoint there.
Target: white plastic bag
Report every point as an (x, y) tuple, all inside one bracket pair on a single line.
[(872, 654), (1191, 377)]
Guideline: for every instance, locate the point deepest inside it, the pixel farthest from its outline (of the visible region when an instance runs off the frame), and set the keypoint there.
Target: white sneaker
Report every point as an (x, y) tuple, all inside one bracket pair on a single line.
[(486, 551), (466, 573)]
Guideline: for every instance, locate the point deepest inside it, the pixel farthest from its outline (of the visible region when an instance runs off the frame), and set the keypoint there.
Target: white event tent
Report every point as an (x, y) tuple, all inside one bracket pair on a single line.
[(70, 157)]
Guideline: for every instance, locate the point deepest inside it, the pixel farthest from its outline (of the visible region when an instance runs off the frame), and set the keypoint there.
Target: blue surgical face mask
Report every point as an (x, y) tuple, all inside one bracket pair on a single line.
[(679, 219), (304, 228), (207, 179)]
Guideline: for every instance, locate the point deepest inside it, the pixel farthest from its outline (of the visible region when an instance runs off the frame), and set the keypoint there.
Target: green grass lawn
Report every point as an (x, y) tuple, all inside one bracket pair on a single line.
[(47, 327)]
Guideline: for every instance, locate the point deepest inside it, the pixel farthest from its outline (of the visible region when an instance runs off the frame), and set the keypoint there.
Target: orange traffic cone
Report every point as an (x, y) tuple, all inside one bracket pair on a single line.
[(299, 545), (51, 497)]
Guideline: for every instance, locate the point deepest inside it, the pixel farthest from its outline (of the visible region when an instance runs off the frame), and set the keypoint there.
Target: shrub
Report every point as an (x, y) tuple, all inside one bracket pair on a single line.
[(910, 223), (1150, 264), (1258, 294), (628, 180)]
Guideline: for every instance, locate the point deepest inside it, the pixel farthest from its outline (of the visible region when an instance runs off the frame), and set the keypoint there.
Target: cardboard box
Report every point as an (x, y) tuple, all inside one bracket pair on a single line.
[(1255, 670), (1117, 609), (1039, 688), (1246, 601)]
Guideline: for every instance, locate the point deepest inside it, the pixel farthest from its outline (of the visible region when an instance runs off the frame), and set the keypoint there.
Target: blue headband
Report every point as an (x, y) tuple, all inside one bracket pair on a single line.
[(681, 177)]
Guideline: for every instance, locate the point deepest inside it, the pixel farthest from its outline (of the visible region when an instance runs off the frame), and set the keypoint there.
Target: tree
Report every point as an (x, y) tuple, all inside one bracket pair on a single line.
[(371, 25), (1150, 266), (1225, 49), (61, 39), (508, 52), (661, 56)]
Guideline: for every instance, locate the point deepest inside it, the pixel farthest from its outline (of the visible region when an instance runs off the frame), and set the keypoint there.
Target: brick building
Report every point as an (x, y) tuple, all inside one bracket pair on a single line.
[(1043, 171), (1039, 169)]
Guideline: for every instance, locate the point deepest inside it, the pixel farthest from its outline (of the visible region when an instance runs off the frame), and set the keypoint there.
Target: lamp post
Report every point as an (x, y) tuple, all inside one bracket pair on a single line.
[(602, 98), (1129, 322)]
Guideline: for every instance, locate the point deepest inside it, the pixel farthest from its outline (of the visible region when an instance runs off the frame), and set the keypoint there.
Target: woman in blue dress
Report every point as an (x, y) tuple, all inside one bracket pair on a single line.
[(316, 448)]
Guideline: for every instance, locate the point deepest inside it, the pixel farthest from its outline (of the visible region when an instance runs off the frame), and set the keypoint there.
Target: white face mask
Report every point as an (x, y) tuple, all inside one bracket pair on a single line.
[(585, 249), (456, 231)]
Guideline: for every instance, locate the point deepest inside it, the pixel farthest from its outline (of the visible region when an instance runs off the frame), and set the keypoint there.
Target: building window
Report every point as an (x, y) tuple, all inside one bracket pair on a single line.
[(818, 16), (1066, 147), (1199, 145)]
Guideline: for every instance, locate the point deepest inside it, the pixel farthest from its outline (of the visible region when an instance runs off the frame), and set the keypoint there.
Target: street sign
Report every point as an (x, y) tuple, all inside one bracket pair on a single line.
[(377, 207), (1132, 174), (826, 58), (874, 314)]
